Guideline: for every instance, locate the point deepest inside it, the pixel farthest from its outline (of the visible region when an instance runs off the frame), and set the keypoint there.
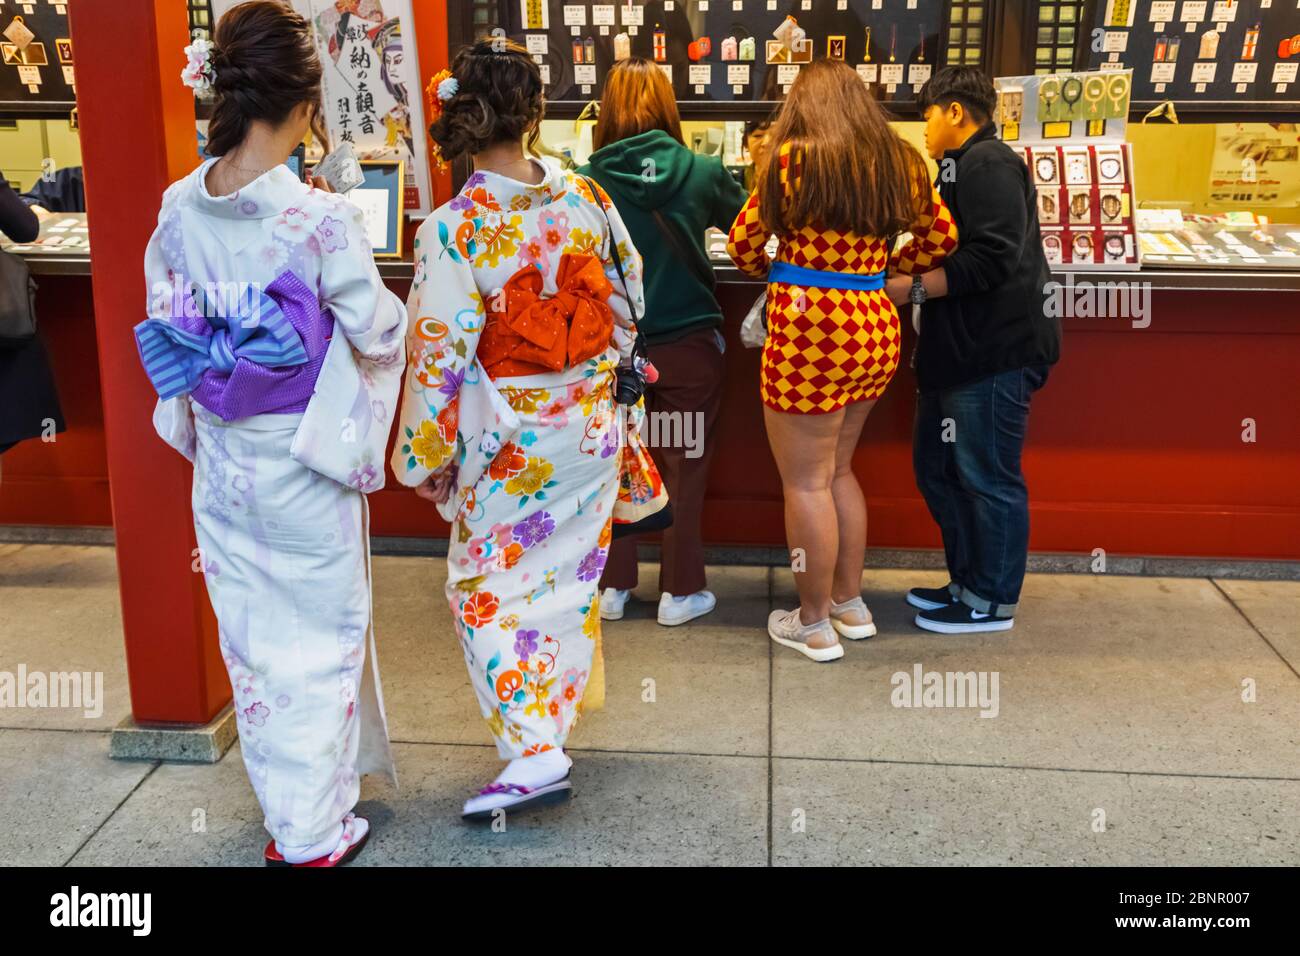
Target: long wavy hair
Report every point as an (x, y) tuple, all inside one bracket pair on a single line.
[(857, 174)]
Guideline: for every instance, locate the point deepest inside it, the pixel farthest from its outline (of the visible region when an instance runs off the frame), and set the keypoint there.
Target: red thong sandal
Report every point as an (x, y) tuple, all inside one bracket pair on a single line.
[(347, 850)]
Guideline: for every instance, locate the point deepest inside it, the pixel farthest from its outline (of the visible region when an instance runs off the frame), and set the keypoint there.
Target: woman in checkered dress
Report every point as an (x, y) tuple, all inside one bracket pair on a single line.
[(845, 184)]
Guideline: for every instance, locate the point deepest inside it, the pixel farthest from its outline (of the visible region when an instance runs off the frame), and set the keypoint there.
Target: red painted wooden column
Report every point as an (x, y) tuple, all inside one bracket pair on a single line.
[(431, 43), (137, 136)]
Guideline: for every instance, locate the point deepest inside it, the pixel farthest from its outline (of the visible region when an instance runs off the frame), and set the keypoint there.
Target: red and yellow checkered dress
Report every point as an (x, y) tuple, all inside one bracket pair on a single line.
[(827, 348)]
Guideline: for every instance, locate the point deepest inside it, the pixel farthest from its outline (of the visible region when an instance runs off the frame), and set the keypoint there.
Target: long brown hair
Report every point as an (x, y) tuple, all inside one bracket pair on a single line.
[(857, 174), (637, 99), (266, 64), (500, 99)]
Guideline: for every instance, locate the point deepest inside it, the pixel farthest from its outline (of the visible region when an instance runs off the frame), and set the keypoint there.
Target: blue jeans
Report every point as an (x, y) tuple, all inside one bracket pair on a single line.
[(966, 449)]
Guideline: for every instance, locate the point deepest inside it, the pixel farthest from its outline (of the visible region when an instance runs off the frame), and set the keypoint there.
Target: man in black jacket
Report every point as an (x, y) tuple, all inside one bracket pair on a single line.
[(986, 344)]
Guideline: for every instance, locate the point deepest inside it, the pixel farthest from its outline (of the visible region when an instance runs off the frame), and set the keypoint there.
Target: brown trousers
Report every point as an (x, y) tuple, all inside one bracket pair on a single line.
[(690, 385)]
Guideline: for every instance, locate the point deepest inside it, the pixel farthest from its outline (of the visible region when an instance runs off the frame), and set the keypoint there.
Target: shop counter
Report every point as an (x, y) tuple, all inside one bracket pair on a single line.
[(1177, 437)]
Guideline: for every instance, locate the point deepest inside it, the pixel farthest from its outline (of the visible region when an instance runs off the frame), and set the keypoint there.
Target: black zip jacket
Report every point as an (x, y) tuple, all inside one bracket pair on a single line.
[(993, 318)]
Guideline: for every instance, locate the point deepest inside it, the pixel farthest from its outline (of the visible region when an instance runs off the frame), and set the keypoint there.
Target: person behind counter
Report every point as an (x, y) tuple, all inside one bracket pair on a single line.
[(985, 348), (283, 399), (758, 146), (65, 191), (668, 196), (29, 402), (839, 184)]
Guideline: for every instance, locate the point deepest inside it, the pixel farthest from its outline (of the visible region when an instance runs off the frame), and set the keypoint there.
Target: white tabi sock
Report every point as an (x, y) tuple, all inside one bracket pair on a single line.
[(538, 770), (303, 854)]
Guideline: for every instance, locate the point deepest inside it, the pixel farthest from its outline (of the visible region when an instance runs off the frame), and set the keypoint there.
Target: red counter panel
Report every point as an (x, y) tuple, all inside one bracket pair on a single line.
[(1135, 444)]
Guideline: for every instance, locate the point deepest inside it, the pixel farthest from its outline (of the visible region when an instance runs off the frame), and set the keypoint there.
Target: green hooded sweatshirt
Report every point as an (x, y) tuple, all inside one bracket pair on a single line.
[(652, 171)]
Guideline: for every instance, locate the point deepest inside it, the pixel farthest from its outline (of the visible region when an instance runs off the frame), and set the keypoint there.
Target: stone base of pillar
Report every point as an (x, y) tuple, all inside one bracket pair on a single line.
[(187, 743)]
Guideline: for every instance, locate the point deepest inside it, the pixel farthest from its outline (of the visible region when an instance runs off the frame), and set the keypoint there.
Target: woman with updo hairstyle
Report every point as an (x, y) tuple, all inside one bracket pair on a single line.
[(277, 355), (509, 420)]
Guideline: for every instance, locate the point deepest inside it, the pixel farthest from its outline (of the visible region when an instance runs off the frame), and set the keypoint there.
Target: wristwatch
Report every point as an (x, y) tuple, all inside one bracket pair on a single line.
[(917, 295)]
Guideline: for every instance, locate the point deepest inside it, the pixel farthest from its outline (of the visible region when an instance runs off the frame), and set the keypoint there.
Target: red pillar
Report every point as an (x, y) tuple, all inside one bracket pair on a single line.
[(137, 136), (432, 46)]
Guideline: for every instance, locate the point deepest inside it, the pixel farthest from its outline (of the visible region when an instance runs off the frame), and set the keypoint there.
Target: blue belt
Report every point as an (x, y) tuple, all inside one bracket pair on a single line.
[(798, 275)]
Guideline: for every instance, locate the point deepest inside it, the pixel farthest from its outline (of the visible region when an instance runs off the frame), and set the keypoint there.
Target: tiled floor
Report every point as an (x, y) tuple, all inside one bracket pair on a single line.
[(1121, 735)]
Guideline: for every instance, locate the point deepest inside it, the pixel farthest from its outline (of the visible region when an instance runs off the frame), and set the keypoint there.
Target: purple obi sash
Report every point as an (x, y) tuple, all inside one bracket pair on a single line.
[(258, 354)]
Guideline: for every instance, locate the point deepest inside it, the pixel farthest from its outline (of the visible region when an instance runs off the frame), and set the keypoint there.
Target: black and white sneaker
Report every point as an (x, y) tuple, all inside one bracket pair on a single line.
[(930, 599), (961, 619)]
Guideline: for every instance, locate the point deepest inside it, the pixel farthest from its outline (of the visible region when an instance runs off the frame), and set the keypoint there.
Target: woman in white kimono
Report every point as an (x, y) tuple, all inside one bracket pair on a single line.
[(277, 355), (519, 319)]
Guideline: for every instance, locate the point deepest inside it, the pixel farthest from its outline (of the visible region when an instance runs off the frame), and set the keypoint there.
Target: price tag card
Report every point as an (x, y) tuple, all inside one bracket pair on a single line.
[(918, 73), (1193, 11), (1244, 72), (575, 16), (1203, 72), (29, 75), (666, 69), (867, 71), (633, 16), (68, 77), (584, 73), (1115, 41), (771, 4), (1162, 72), (704, 6), (1112, 66), (737, 5), (602, 14), (536, 43), (737, 73), (1162, 11), (1224, 12), (699, 74), (1285, 72), (546, 74), (891, 73)]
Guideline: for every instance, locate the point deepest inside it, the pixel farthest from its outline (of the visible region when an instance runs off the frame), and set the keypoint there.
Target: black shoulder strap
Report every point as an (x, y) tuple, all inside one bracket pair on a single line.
[(639, 347)]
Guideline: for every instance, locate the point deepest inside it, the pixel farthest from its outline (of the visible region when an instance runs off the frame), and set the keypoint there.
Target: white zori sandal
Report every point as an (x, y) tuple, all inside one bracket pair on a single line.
[(513, 797), (852, 619)]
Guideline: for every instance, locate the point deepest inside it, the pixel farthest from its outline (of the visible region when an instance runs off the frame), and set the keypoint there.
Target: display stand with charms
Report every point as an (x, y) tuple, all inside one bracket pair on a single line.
[(1069, 129)]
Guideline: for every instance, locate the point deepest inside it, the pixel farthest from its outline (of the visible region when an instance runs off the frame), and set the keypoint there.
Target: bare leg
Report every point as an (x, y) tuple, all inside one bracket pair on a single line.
[(804, 449), (850, 507)]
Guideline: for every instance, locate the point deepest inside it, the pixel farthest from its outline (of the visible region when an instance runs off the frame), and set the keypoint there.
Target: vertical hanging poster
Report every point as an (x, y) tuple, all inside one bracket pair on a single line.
[(372, 95)]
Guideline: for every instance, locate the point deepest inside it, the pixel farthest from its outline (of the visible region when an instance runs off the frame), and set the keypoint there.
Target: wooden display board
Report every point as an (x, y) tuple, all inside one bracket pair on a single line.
[(701, 43), (36, 63), (1236, 60)]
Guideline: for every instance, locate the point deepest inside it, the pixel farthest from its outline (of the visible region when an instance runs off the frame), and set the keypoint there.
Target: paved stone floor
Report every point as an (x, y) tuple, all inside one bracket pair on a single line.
[(1121, 735)]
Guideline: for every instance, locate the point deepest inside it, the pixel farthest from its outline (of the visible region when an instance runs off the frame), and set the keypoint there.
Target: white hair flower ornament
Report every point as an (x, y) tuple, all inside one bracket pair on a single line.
[(198, 74)]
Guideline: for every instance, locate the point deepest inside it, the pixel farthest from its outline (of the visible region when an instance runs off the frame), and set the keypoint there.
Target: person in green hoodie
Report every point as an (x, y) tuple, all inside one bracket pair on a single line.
[(668, 196)]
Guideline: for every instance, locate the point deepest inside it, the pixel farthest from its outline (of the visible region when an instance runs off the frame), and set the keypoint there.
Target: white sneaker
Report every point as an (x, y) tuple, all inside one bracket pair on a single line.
[(612, 601), (852, 619), (674, 610), (817, 641)]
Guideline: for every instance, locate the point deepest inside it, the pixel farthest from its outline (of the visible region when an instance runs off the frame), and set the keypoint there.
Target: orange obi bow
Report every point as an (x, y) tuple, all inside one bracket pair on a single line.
[(536, 334)]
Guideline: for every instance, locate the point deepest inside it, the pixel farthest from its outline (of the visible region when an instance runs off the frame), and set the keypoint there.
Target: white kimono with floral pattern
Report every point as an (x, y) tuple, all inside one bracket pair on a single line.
[(279, 514), (536, 456)]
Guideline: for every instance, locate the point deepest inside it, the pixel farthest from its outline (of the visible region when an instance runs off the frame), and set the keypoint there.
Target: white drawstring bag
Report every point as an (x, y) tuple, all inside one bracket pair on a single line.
[(753, 330)]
